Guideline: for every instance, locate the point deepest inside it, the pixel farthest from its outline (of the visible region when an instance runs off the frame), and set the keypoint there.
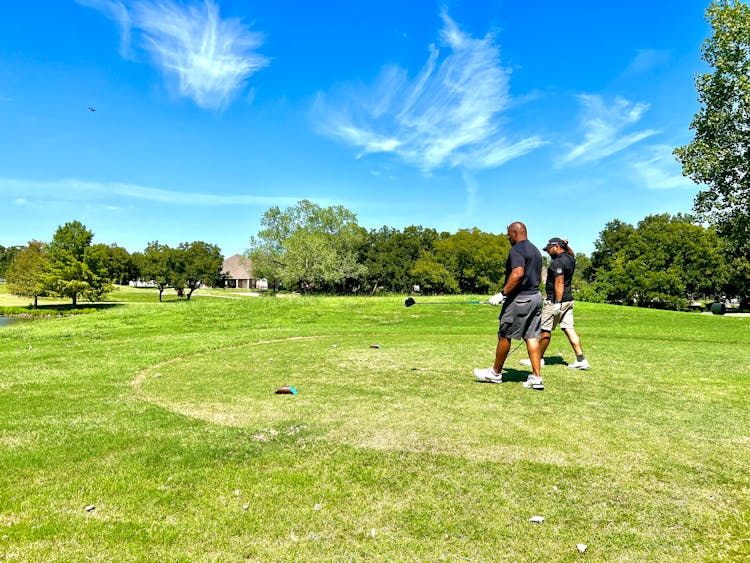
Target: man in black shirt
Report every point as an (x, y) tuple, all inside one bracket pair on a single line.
[(521, 313), (558, 304)]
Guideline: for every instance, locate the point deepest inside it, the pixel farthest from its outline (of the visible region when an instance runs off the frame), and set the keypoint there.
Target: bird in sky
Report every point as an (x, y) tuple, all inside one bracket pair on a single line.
[(92, 108)]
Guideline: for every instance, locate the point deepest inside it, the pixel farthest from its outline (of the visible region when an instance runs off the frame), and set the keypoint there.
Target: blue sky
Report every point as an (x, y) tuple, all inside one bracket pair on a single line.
[(448, 115)]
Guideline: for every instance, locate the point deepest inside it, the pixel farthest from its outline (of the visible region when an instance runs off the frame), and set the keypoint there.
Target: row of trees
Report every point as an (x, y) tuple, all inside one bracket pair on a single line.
[(71, 267), (310, 248), (189, 266), (663, 261)]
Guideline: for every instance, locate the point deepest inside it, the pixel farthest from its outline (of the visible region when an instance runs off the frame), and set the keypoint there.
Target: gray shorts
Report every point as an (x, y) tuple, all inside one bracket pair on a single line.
[(521, 318), (564, 319)]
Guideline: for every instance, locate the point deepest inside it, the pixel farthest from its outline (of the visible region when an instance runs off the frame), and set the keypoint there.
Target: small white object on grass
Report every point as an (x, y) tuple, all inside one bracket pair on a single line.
[(317, 506), (537, 519), (581, 547), (90, 508), (372, 532)]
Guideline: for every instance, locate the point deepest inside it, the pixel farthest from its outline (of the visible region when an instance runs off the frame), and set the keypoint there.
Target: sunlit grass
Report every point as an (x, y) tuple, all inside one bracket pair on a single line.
[(164, 418)]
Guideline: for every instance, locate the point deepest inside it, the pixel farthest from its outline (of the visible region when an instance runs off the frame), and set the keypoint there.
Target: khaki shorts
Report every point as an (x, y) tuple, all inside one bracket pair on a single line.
[(564, 319)]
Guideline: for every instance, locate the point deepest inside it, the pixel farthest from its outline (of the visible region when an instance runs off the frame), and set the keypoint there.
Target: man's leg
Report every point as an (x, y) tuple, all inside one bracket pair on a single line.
[(501, 352), (575, 340), (535, 355), (544, 339), (581, 362), (548, 324)]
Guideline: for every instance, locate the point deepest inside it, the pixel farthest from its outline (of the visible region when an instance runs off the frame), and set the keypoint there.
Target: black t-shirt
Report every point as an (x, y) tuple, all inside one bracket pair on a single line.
[(563, 264), (525, 254)]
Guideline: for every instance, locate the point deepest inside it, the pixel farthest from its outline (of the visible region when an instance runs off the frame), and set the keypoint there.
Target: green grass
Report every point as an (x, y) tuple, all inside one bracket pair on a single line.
[(164, 417)]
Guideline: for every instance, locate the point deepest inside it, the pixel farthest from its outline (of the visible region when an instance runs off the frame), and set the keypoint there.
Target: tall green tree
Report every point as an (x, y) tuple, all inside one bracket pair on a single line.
[(308, 247), (198, 263), (156, 264), (70, 272), (25, 274), (719, 154)]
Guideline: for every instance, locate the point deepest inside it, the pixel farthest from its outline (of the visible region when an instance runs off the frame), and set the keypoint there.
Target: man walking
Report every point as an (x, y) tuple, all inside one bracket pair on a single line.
[(558, 304), (521, 313)]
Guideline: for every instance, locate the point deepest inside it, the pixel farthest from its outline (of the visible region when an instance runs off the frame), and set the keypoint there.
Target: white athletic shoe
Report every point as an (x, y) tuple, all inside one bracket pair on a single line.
[(583, 364), (534, 382), (527, 362), (488, 375)]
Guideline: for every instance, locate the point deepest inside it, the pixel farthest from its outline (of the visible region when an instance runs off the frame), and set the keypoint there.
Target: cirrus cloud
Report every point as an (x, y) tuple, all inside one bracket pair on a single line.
[(203, 57), (605, 129), (449, 114)]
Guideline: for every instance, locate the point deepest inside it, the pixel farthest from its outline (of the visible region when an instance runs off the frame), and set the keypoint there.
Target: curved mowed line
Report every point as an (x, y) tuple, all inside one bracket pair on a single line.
[(409, 394)]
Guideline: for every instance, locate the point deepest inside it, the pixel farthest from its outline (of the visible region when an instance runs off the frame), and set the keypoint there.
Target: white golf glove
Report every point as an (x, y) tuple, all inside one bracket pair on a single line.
[(497, 298), (556, 309)]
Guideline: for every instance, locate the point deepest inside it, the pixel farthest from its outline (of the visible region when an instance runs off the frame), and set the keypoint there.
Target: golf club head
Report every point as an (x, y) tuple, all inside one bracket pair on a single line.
[(410, 301)]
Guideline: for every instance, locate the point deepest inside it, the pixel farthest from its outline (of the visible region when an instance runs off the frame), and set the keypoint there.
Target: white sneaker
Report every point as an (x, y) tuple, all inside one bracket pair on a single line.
[(534, 382), (527, 362), (583, 364), (488, 375)]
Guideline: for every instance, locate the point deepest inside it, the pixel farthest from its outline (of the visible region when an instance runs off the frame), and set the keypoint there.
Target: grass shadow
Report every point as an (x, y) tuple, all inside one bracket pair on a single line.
[(515, 375), (70, 307), (554, 361), (51, 310)]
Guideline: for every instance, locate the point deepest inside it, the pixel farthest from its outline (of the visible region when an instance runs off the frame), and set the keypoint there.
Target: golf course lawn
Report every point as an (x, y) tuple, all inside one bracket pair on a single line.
[(151, 431)]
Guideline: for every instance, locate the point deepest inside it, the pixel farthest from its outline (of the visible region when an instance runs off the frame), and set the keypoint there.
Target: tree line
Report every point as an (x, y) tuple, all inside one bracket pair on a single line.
[(663, 261), (70, 266)]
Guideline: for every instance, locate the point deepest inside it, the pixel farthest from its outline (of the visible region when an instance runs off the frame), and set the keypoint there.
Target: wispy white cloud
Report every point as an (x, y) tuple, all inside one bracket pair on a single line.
[(647, 60), (605, 129), (117, 12), (446, 115), (660, 171), (26, 192), (203, 57)]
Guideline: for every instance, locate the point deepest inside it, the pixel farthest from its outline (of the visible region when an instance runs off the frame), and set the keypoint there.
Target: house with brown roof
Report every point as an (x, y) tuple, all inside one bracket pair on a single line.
[(240, 272)]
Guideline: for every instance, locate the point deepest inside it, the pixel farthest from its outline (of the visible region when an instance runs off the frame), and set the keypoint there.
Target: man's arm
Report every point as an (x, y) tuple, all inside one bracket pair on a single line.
[(559, 287), (514, 280)]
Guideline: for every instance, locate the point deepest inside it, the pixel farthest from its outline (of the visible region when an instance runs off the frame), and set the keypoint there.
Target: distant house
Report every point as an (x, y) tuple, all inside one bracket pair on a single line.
[(240, 272)]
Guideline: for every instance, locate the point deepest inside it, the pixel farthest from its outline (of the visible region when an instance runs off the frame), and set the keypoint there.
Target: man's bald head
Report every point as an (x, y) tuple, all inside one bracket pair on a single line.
[(517, 232)]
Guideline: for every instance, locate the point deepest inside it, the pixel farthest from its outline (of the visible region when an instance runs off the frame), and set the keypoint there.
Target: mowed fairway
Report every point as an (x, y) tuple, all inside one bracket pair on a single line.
[(161, 419)]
